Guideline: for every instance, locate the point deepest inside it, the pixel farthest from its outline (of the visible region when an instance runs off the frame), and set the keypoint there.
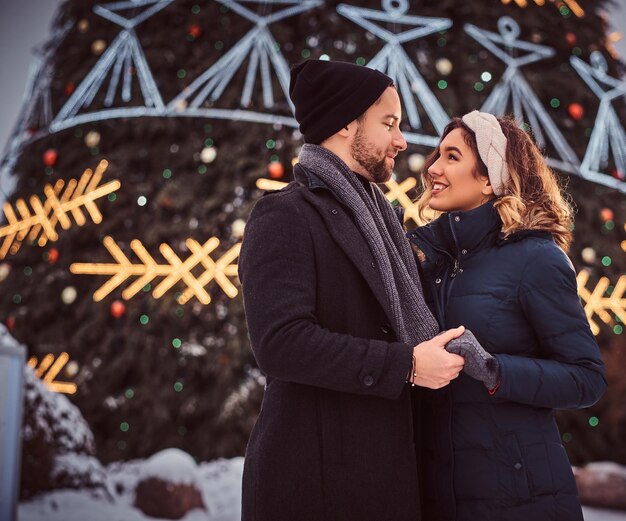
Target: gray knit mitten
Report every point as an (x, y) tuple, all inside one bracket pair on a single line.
[(479, 364)]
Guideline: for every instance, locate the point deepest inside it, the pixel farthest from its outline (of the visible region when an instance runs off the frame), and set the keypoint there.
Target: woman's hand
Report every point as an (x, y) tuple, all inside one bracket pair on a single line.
[(479, 364)]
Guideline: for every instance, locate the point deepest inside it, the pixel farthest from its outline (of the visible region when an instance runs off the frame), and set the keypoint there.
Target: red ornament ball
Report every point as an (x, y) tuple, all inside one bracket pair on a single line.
[(570, 38), (194, 30), (618, 174), (53, 255), (70, 87), (575, 110), (276, 170), (10, 323), (118, 308), (606, 214), (50, 157)]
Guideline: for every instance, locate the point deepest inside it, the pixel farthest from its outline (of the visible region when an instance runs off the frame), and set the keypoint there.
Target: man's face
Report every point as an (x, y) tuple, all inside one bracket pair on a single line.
[(378, 138)]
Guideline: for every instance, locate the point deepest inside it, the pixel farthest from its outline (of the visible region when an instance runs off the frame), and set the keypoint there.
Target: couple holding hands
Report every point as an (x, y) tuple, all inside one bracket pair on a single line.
[(411, 376)]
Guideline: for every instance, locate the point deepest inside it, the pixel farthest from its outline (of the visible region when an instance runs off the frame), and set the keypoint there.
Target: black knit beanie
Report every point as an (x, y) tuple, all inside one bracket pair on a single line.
[(328, 95)]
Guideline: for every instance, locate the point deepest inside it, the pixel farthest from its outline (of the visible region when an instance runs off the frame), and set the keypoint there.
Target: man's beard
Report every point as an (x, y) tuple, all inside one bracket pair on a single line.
[(367, 155)]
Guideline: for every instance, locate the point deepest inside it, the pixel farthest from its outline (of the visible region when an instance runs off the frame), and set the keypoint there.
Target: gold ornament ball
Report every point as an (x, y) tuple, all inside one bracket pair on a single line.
[(92, 138), (443, 66), (5, 269), (180, 105), (98, 47), (68, 295), (238, 227), (208, 154), (83, 26), (416, 162), (589, 255), (71, 369)]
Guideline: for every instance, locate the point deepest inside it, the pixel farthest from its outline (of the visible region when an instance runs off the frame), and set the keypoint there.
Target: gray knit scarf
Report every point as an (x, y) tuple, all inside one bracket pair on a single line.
[(412, 320)]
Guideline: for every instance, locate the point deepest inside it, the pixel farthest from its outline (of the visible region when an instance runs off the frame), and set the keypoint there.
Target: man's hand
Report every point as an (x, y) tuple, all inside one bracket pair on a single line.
[(434, 367)]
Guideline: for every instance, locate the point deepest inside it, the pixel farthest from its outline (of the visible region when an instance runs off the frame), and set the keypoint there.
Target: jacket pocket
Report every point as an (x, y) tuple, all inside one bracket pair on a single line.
[(512, 471), (538, 469)]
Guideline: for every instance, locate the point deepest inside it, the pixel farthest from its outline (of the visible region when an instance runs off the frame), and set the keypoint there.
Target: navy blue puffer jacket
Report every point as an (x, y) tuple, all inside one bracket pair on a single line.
[(500, 457)]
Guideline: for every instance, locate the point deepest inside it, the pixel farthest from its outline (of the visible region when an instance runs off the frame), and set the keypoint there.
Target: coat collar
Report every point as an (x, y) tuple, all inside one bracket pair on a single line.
[(453, 233), (342, 228), (456, 232), (307, 178)]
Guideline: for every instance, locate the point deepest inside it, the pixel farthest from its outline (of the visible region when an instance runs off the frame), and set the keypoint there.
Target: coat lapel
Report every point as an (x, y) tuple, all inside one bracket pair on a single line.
[(344, 231)]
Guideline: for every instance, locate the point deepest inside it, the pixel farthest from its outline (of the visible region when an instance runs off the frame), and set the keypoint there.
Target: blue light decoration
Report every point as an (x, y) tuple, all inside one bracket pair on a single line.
[(513, 86), (260, 46), (36, 112), (394, 61), (259, 52), (122, 55), (607, 132)]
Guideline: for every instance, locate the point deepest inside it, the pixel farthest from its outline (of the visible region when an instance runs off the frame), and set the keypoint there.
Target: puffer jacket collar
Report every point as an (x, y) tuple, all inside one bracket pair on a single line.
[(456, 234)]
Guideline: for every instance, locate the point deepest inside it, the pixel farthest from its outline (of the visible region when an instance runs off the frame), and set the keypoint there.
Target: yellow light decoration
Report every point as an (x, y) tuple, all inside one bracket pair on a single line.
[(596, 303), (43, 221), (53, 368), (573, 5), (398, 192), (175, 271), (395, 192), (268, 184), (610, 41), (575, 8)]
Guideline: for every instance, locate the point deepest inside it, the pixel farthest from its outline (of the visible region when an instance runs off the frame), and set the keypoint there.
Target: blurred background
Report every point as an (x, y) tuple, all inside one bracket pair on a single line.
[(137, 136)]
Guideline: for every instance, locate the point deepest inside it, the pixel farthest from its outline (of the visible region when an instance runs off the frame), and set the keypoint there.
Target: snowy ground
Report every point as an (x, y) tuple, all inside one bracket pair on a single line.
[(220, 483), (221, 489)]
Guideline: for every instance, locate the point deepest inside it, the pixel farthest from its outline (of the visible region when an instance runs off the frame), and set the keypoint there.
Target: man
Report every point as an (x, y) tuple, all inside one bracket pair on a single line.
[(336, 316)]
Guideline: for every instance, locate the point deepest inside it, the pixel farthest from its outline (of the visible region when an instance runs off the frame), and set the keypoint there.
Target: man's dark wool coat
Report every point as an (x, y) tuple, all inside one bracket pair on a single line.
[(500, 457), (334, 439)]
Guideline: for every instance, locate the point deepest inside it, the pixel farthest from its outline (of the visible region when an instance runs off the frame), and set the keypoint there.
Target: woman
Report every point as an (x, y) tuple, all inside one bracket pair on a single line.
[(494, 261)]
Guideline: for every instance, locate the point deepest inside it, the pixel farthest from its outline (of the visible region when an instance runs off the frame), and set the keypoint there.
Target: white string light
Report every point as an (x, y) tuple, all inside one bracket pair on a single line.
[(124, 54), (513, 86), (259, 45), (607, 129), (394, 61)]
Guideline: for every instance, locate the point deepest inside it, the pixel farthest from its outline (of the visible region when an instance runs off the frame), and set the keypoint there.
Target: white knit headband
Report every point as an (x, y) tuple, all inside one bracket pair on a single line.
[(491, 144)]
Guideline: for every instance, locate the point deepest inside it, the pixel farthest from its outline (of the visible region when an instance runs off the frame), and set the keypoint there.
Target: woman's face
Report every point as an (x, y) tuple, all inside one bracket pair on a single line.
[(455, 186)]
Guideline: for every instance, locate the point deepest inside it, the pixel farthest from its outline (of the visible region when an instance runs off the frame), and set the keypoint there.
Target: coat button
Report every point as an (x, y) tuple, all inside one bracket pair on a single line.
[(368, 380), (518, 466), (386, 328), (334, 212), (464, 252), (437, 281), (457, 218), (373, 264)]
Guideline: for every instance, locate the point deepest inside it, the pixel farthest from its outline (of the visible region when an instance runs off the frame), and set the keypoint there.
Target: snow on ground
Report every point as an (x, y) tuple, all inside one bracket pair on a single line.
[(220, 483), (598, 514)]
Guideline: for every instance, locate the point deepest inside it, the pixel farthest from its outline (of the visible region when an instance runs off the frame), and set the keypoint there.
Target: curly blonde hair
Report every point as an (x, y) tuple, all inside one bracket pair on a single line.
[(532, 198)]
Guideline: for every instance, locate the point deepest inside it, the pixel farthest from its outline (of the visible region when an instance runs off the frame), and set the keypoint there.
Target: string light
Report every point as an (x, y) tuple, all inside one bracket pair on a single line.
[(48, 369), (42, 222), (597, 304), (174, 272), (607, 127), (393, 60), (514, 88)]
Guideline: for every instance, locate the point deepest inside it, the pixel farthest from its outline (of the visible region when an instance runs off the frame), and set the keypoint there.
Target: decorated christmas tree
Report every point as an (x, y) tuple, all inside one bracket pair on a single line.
[(152, 126)]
